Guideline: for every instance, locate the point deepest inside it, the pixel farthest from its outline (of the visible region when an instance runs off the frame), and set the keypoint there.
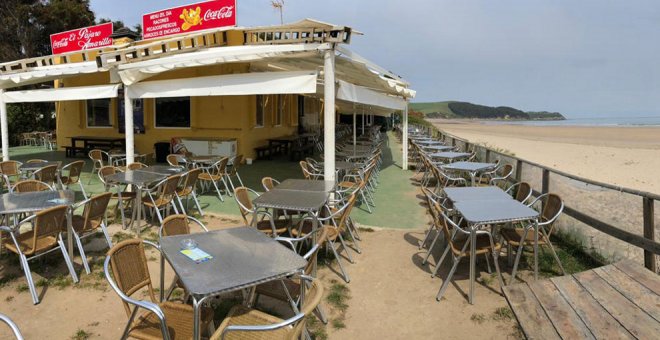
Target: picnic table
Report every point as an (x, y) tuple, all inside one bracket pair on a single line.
[(617, 301), (243, 257), (92, 142)]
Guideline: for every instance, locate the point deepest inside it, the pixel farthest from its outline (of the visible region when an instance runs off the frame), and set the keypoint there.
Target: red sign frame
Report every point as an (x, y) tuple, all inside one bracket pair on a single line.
[(189, 18), (80, 39)]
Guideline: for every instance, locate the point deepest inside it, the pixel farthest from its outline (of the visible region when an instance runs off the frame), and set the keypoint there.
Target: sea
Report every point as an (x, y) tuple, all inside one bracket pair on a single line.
[(586, 121)]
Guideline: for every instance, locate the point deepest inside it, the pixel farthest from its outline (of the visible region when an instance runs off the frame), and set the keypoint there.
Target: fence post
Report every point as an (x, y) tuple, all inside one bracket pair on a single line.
[(487, 155), (545, 183), (519, 165), (647, 210)]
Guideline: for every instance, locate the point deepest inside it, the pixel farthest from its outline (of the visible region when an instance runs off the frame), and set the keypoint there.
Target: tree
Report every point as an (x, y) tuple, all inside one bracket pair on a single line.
[(25, 33)]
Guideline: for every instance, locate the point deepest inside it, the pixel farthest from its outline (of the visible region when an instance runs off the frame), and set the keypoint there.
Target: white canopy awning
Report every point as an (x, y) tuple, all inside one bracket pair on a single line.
[(61, 94), (47, 73), (228, 85), (363, 95), (134, 72)]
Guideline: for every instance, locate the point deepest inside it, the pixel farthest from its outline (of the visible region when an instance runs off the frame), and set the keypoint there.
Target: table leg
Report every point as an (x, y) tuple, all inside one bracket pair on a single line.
[(473, 259), (518, 255), (472, 176), (139, 208), (69, 234), (196, 317)]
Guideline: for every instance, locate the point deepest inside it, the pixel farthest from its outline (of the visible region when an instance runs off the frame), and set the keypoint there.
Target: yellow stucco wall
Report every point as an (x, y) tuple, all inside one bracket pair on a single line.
[(211, 117)]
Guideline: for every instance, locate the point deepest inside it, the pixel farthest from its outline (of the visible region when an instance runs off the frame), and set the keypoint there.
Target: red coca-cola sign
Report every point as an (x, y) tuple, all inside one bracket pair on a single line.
[(189, 18), (85, 38)]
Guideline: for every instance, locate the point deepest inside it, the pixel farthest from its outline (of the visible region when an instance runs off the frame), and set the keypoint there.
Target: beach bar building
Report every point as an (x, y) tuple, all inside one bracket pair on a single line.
[(229, 83)]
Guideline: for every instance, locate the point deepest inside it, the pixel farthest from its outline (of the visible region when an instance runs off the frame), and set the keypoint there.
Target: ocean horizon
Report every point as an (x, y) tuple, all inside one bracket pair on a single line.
[(585, 121)]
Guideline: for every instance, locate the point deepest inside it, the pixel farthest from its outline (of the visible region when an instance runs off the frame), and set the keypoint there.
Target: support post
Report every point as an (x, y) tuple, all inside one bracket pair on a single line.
[(545, 181), (405, 138), (329, 115), (519, 166), (128, 127), (4, 130), (354, 128), (363, 122), (649, 233)]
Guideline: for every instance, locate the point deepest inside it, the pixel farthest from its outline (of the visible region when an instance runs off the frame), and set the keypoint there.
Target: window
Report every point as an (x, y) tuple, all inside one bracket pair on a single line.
[(262, 101), (98, 113), (173, 112), (138, 115), (279, 112)]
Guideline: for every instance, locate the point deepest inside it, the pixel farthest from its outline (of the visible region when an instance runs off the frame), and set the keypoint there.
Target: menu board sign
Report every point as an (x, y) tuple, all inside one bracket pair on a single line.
[(189, 18)]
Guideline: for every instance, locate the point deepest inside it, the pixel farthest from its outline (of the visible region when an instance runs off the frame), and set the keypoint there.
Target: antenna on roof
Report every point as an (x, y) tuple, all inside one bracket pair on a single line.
[(279, 6)]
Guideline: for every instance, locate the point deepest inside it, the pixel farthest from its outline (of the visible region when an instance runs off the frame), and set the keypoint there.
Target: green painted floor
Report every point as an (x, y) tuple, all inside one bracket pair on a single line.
[(396, 203)]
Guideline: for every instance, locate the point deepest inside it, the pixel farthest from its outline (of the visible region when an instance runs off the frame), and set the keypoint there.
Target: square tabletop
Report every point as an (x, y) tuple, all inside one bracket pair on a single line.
[(494, 211), (449, 155), (242, 257), (38, 165), (350, 153), (166, 170), (14, 203), (437, 147), (306, 185), (458, 194), (292, 200), (136, 177), (469, 166), (345, 166), (429, 142)]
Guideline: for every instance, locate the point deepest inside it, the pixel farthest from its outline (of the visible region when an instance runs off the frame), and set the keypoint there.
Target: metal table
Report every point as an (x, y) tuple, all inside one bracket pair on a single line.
[(449, 155), (429, 142), (38, 165), (479, 213), (458, 194), (243, 257), (348, 155), (166, 170), (30, 202), (346, 166), (437, 147), (306, 185), (202, 159), (470, 167), (139, 179)]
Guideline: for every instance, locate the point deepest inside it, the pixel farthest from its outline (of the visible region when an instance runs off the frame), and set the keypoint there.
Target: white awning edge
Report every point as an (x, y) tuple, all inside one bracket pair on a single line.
[(47, 73), (363, 95), (61, 94), (135, 72), (295, 82)]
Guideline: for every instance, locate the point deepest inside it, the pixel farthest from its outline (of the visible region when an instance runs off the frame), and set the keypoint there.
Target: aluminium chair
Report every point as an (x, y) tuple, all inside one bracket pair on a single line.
[(458, 241), (215, 173), (251, 216), (44, 238), (73, 171), (188, 189), (173, 159), (233, 171), (90, 222), (97, 156), (520, 191), (31, 185), (124, 198), (269, 183), (14, 328), (11, 172), (162, 196), (47, 174), (127, 273), (247, 323), (524, 237)]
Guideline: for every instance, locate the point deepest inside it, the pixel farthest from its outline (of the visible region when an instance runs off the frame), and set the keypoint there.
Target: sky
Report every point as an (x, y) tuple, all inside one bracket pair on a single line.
[(581, 58)]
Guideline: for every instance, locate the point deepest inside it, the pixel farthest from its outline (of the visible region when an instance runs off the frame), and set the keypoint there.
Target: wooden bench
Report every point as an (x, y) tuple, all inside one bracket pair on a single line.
[(71, 151), (264, 152)]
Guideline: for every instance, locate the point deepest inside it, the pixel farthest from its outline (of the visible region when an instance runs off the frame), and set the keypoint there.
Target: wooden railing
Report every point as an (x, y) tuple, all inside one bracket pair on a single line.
[(646, 241)]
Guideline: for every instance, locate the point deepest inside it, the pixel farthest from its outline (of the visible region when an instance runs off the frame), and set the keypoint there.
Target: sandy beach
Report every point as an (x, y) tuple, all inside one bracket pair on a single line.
[(624, 156)]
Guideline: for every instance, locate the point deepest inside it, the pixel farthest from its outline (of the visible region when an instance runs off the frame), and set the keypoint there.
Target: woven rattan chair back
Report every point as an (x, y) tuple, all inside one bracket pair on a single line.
[(10, 168), (189, 181), (75, 169), (129, 269), (551, 209), (313, 296), (167, 190), (136, 166), (242, 195), (106, 171), (175, 225), (96, 155), (47, 174), (36, 161), (268, 183), (30, 185), (304, 166), (48, 222), (94, 211), (173, 159), (343, 219), (524, 190), (321, 238), (236, 164)]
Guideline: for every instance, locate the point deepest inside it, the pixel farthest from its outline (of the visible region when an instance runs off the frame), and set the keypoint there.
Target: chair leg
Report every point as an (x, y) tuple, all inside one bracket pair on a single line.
[(231, 183), (518, 255), (343, 245), (364, 200), (435, 239), (218, 191), (509, 255), (82, 188), (178, 199), (82, 253), (106, 234), (239, 179), (426, 238), (355, 229), (341, 267), (28, 277), (199, 207), (68, 261), (226, 186), (356, 244), (496, 255), (445, 284), (554, 254), (490, 271), (442, 259)]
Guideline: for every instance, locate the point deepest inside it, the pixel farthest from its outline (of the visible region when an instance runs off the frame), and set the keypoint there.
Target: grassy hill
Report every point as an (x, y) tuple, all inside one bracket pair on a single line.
[(454, 109)]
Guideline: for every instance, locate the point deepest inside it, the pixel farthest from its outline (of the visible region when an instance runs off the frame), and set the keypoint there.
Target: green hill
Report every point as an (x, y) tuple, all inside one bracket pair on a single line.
[(453, 109)]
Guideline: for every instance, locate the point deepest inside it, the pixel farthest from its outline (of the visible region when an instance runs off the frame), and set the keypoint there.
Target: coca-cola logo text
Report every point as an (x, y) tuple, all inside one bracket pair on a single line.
[(222, 13)]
